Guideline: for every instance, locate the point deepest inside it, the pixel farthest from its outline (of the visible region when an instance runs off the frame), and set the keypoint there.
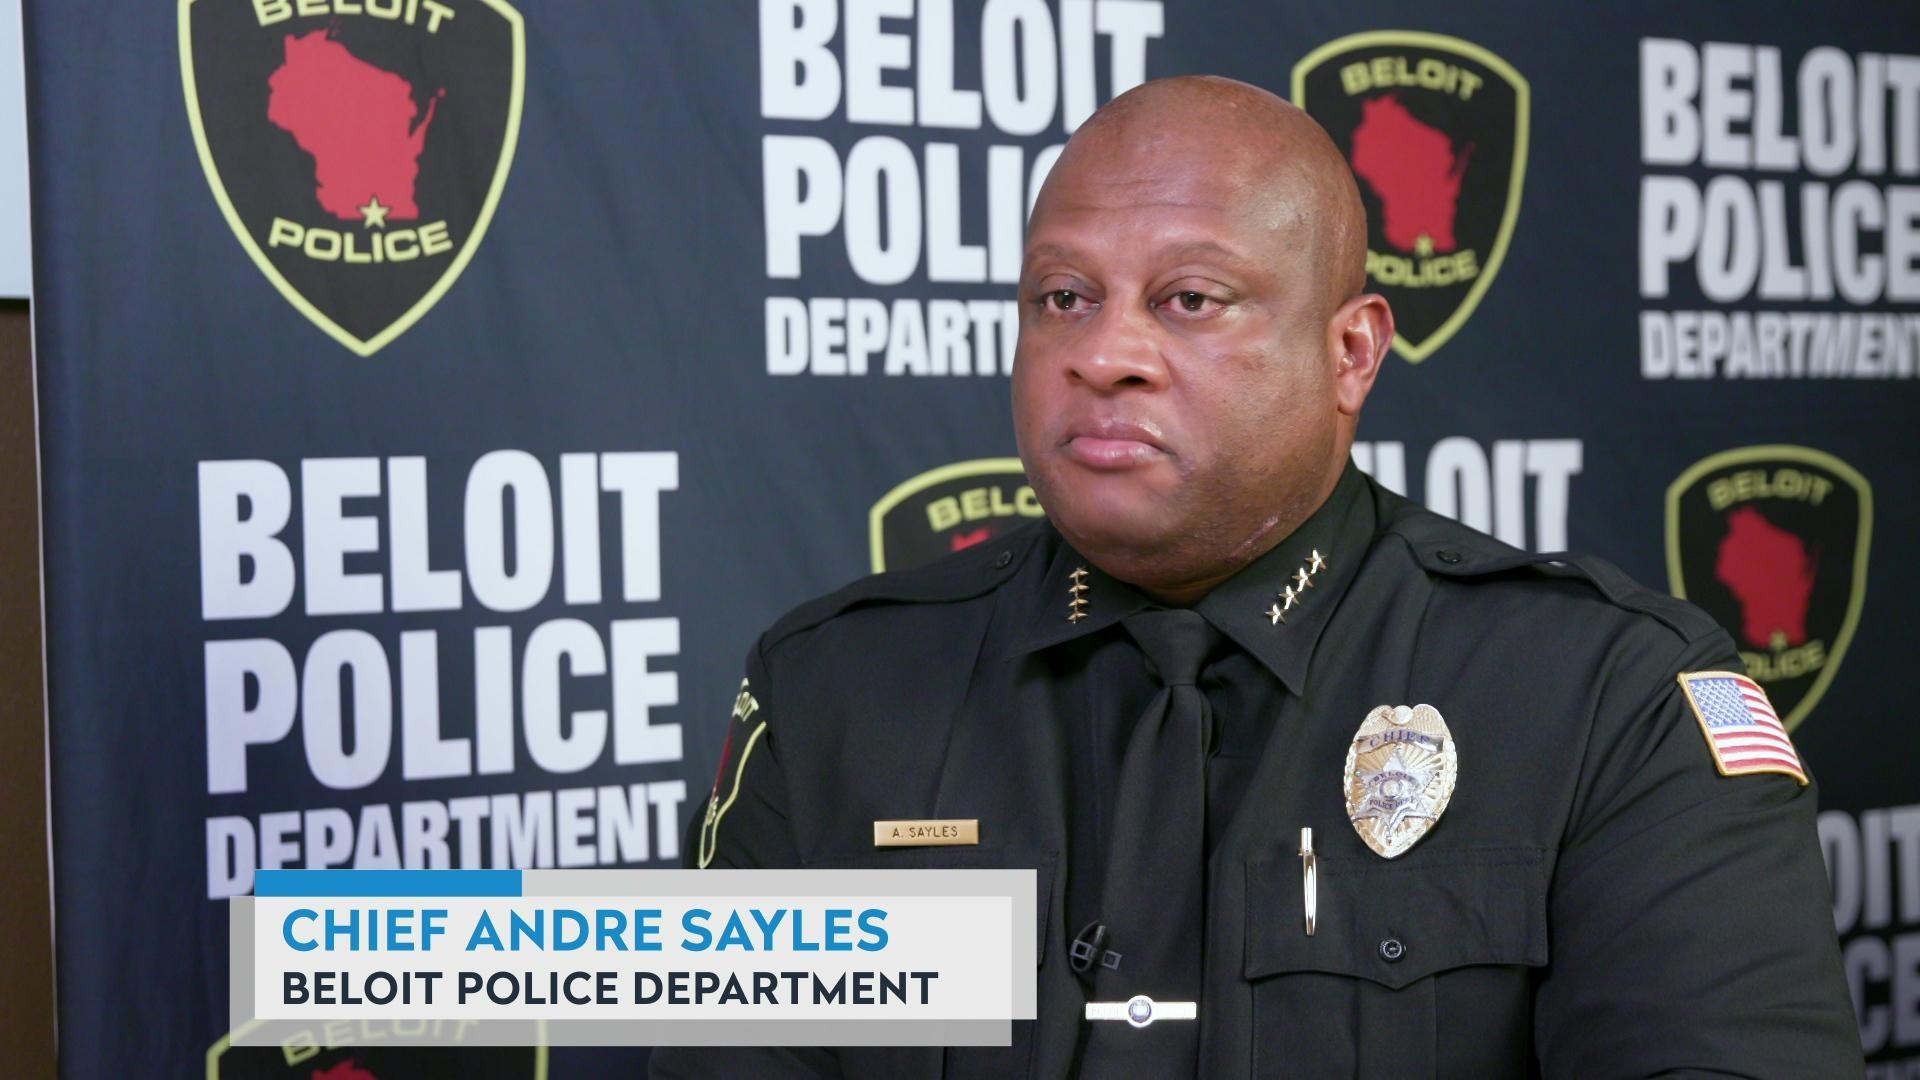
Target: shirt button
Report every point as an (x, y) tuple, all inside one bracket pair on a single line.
[(1449, 556), (1001, 562), (1391, 950)]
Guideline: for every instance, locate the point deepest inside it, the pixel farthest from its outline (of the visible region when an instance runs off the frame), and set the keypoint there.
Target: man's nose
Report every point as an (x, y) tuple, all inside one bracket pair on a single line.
[(1121, 349)]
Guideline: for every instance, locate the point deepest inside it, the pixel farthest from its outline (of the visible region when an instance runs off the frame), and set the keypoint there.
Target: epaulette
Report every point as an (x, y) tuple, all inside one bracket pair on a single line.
[(963, 575), (1448, 549)]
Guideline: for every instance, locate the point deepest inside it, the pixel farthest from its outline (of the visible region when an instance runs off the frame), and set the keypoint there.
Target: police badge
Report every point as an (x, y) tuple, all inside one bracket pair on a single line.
[(1400, 774)]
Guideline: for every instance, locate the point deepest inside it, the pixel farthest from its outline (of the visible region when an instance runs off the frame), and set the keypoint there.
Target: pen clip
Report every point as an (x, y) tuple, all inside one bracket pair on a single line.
[(1309, 880)]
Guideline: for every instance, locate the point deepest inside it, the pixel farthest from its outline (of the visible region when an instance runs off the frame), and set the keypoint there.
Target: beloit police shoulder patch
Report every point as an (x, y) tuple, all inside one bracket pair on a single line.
[(1741, 728), (744, 731)]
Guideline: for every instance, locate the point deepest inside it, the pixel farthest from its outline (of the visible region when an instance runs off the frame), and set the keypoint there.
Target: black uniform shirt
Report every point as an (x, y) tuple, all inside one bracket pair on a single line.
[(1596, 899), (1249, 680)]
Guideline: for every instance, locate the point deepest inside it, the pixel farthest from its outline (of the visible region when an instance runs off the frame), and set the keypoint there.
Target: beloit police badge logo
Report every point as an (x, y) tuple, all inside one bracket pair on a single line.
[(358, 149), (373, 1050), (949, 509), (1772, 542), (1436, 131)]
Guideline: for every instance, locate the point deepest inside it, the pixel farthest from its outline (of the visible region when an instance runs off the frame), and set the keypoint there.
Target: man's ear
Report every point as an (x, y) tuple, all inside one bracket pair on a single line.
[(1357, 339)]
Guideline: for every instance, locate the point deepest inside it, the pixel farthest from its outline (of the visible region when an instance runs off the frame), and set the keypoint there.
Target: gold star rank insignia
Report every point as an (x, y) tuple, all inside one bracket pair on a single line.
[(1076, 598)]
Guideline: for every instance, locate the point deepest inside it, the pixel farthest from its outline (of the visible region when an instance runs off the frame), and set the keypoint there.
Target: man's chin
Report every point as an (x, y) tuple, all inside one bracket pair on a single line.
[(1113, 522)]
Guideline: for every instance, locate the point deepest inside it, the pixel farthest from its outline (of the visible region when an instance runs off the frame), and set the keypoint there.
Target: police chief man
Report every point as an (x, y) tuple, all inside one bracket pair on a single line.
[(1529, 854)]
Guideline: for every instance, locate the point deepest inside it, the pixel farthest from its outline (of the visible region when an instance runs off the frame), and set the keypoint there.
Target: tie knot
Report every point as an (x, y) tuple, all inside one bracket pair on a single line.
[(1177, 640)]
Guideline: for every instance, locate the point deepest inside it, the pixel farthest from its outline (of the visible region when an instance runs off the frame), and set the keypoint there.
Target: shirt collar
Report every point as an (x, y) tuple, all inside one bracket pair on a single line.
[(1252, 607), (1049, 618)]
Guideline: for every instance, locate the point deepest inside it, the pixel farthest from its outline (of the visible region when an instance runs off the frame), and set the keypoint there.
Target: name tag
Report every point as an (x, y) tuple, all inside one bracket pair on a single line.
[(934, 833)]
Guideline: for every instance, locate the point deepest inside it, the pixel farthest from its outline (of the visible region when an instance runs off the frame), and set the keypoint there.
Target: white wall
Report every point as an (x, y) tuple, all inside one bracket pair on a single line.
[(16, 263)]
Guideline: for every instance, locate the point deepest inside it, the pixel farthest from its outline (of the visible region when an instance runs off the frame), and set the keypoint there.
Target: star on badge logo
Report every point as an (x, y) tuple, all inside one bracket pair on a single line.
[(1397, 790), (373, 214)]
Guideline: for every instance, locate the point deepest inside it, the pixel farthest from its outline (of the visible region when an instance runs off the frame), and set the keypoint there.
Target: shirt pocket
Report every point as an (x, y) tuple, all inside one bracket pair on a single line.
[(953, 1063), (1422, 967)]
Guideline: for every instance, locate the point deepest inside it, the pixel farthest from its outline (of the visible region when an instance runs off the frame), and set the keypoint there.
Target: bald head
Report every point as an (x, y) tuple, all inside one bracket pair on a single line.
[(1224, 139), (1195, 342)]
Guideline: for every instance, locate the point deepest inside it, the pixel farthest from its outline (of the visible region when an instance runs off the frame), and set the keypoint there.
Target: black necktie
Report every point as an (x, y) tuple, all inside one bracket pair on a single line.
[(1155, 887)]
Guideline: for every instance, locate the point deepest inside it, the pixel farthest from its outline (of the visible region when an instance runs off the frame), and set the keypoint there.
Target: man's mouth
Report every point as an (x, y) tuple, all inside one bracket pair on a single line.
[(1115, 444)]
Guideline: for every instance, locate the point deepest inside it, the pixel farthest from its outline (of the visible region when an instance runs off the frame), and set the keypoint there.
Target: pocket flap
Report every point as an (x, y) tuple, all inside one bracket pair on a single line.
[(960, 858), (1393, 922)]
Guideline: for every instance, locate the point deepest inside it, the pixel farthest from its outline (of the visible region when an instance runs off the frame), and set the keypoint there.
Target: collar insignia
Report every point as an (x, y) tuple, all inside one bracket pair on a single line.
[(1290, 597), (1076, 595)]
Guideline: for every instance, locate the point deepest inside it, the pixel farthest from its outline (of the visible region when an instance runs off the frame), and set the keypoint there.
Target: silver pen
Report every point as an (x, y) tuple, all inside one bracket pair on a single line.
[(1310, 879)]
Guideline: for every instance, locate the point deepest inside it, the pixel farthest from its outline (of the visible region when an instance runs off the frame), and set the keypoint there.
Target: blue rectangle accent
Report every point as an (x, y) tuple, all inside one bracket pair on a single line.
[(386, 883)]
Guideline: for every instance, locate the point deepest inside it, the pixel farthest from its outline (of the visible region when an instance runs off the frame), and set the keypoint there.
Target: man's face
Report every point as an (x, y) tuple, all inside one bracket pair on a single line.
[(1172, 391)]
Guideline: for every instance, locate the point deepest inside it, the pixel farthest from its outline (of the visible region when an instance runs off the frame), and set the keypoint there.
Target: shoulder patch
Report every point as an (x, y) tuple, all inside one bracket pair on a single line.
[(744, 729), (1740, 726)]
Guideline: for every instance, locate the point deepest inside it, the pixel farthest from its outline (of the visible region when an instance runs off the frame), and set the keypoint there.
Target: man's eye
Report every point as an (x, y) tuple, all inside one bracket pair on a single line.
[(1063, 299), (1191, 301)]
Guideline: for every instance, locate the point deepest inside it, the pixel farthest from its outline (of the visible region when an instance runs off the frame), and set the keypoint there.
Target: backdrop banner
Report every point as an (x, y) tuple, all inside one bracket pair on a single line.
[(439, 396)]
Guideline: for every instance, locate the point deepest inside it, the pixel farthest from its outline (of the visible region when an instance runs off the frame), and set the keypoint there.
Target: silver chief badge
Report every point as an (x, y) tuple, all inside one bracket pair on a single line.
[(1400, 774)]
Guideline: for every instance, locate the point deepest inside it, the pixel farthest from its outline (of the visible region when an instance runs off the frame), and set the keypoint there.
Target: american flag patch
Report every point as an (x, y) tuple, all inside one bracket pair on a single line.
[(1742, 730)]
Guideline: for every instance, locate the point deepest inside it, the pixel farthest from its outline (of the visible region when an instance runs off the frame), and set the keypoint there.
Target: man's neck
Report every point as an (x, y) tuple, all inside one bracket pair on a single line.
[(1187, 591)]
